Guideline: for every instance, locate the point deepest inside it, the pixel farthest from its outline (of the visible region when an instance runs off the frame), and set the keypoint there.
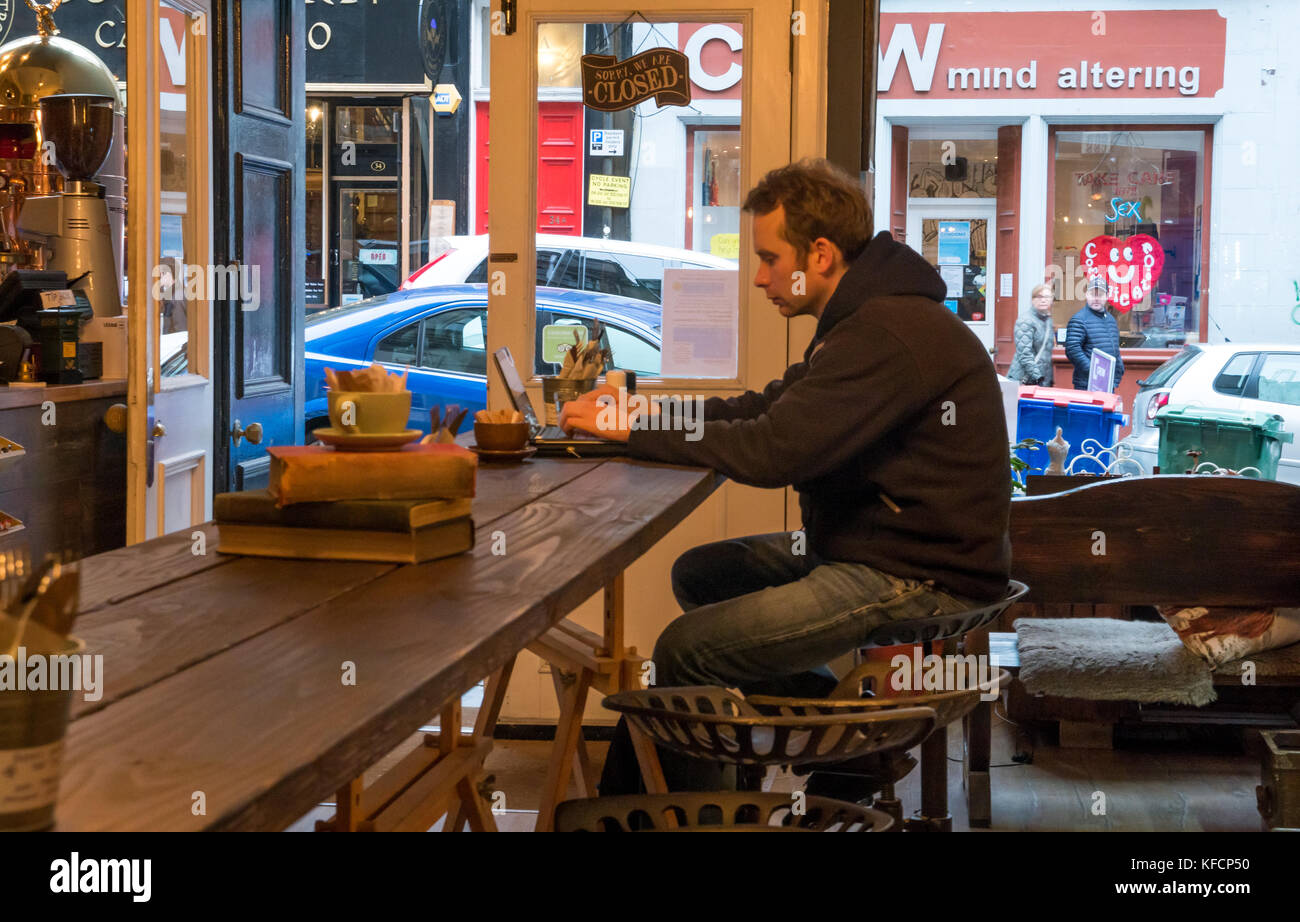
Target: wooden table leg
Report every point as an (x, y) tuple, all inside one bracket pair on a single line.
[(473, 808), (572, 688), (485, 725), (347, 809)]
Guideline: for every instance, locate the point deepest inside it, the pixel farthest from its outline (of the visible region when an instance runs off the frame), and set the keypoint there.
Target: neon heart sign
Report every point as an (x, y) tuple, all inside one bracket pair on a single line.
[(1131, 267)]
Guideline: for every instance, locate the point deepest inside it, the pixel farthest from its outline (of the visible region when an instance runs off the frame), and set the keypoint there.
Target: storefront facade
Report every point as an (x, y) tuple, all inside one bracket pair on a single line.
[(684, 193), (386, 173), (1025, 143)]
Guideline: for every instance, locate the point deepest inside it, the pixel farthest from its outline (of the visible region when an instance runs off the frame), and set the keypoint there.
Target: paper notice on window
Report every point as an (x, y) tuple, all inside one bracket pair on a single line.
[(954, 277), (701, 323)]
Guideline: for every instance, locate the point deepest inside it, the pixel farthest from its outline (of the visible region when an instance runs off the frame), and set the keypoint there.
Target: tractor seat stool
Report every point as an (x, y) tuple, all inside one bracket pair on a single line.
[(712, 723), (721, 811), (977, 717)]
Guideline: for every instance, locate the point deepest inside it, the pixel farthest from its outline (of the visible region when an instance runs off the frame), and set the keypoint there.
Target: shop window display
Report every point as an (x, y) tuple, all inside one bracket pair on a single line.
[(1128, 204)]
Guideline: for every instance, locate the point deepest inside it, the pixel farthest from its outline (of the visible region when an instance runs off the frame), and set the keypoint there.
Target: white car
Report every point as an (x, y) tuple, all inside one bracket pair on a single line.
[(1249, 377), (616, 267)]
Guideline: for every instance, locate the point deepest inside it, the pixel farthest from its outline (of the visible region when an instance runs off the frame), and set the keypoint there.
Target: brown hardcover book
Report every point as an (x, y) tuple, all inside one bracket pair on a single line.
[(316, 473), (258, 507), (429, 543)]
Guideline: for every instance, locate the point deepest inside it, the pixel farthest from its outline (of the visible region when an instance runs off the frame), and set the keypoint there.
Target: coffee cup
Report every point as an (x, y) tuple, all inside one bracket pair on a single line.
[(369, 412)]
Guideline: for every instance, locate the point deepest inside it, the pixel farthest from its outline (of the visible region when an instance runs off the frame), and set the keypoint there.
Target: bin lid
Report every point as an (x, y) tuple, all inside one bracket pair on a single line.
[(1112, 403), (1269, 424)]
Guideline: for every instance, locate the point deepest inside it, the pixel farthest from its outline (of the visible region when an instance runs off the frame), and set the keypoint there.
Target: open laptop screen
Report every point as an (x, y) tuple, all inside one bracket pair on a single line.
[(515, 385)]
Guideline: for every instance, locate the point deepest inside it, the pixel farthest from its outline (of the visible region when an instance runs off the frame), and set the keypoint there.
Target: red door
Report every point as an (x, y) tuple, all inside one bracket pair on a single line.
[(559, 168)]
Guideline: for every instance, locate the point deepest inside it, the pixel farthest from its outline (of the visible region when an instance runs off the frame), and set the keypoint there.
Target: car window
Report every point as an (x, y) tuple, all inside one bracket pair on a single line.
[(648, 271), (454, 341), (632, 352), (479, 274), (547, 262), (568, 274), (1166, 373), (1232, 378), (600, 273), (1279, 378), (401, 347)]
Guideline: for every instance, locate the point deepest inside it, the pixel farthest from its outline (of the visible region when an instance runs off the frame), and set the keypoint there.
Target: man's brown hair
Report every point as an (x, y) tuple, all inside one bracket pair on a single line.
[(820, 200)]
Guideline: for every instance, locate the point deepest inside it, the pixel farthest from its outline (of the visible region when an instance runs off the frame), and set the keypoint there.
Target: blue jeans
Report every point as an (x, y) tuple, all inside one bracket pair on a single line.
[(763, 619)]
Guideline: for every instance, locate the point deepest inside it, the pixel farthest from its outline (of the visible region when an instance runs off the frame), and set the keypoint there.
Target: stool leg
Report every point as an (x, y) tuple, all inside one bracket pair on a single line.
[(888, 803), (934, 782), (978, 727), (934, 779)]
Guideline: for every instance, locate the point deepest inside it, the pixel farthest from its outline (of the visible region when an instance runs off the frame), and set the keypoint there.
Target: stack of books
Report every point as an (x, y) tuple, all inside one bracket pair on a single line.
[(404, 506)]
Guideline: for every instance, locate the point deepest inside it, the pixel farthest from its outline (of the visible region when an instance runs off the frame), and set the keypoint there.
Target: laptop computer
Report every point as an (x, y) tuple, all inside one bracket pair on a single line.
[(549, 440)]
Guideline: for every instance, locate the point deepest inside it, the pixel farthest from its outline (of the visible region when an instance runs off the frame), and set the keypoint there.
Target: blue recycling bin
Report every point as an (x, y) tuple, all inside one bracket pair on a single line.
[(1080, 414)]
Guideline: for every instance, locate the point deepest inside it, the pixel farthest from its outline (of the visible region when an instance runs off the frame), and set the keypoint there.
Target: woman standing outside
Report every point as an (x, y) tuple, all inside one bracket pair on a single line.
[(1034, 338)]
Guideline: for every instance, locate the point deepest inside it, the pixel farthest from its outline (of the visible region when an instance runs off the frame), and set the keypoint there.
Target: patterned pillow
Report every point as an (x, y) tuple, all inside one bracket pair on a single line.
[(1220, 635)]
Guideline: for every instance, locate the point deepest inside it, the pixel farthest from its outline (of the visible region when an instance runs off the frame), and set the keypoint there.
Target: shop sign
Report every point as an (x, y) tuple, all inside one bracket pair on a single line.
[(1124, 185), (606, 142), (1131, 267), (725, 245), (611, 85), (609, 191), (1111, 54), (374, 256)]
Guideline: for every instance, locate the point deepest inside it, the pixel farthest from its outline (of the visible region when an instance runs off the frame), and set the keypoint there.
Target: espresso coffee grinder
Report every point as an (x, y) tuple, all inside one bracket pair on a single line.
[(72, 226)]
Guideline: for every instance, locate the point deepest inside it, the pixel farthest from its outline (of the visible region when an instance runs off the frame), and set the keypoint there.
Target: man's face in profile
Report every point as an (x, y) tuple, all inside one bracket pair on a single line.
[(782, 274)]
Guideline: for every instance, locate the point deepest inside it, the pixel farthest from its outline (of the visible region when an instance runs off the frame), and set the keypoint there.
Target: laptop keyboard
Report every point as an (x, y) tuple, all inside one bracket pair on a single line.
[(554, 433)]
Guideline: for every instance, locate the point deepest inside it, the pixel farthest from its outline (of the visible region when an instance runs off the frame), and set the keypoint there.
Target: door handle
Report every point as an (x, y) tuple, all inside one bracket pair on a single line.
[(253, 433), (115, 418)]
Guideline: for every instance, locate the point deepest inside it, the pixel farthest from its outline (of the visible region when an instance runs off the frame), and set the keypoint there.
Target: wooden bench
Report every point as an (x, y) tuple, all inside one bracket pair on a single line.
[(1196, 540)]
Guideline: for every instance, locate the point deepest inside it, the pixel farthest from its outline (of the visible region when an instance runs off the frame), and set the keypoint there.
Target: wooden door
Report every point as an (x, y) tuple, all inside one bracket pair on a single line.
[(259, 209), (778, 122)]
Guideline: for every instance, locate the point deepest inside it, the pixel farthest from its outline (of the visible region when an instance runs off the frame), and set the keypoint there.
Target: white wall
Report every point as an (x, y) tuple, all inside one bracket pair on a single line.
[(1254, 233)]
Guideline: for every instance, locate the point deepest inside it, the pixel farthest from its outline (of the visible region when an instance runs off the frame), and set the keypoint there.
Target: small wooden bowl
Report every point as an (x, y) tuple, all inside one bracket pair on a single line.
[(501, 436)]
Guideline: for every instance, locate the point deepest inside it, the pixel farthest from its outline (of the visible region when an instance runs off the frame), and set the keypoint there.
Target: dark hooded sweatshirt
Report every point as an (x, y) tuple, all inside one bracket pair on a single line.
[(891, 430)]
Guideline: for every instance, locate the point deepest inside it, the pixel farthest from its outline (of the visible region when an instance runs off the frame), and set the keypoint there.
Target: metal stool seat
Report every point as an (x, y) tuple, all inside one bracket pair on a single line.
[(724, 811), (945, 627), (948, 707), (708, 722)]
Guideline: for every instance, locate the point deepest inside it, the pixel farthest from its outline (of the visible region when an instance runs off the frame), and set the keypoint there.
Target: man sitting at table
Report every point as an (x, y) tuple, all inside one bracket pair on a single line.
[(892, 432)]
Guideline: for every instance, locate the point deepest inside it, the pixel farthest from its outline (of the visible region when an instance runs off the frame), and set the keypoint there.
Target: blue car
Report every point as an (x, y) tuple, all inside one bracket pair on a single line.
[(440, 334)]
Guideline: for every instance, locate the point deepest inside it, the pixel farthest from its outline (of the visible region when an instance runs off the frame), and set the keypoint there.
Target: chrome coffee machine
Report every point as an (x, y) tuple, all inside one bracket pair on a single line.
[(32, 68), (72, 226)]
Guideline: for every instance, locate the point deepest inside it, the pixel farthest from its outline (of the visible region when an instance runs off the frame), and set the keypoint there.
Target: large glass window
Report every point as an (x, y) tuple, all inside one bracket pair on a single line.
[(647, 188), (952, 168), (1128, 204)]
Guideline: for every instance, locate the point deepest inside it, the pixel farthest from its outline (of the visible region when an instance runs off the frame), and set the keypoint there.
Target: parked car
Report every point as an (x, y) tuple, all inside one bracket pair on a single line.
[(1262, 378), (615, 267), (441, 335)]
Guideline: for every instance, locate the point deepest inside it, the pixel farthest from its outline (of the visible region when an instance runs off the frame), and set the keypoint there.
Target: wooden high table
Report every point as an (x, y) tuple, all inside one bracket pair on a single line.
[(225, 703)]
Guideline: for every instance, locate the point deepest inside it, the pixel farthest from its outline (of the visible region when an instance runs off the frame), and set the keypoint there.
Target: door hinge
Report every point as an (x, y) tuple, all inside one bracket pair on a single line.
[(508, 10)]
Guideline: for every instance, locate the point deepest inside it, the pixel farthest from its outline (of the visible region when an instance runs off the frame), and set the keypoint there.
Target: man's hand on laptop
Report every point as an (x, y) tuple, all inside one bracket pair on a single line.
[(597, 413)]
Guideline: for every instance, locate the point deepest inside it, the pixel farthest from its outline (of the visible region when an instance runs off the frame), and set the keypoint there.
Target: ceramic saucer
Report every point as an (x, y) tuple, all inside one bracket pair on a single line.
[(366, 441), (517, 455)]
